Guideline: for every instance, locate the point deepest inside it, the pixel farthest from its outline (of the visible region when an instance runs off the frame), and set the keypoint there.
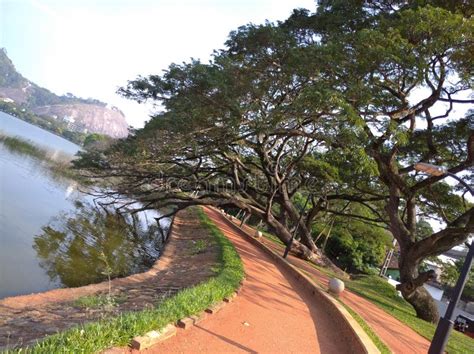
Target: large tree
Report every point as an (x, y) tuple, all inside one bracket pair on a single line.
[(335, 106), (243, 131), (398, 65)]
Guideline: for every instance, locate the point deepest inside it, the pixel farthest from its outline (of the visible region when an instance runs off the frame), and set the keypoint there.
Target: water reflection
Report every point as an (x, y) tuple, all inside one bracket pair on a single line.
[(72, 247), (13, 126)]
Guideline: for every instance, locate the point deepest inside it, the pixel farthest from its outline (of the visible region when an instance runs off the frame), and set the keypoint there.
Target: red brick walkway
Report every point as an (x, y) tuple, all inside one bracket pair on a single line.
[(396, 335), (272, 313)]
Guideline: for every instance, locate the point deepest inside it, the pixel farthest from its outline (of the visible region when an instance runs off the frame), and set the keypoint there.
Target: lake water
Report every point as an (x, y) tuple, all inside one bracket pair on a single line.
[(13, 126), (52, 235)]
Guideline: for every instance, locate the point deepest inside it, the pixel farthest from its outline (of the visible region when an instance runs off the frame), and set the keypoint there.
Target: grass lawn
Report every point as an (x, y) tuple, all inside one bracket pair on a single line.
[(272, 238), (118, 331), (381, 293), (98, 301), (372, 335)]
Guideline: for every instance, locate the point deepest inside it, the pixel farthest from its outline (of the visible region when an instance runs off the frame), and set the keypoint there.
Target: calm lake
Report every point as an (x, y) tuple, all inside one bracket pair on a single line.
[(51, 234)]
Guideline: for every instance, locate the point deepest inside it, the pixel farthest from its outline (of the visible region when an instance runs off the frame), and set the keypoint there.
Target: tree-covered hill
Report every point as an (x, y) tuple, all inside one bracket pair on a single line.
[(79, 115)]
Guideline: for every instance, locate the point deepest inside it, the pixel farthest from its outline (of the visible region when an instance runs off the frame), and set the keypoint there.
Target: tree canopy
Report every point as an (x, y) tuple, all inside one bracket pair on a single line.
[(334, 107)]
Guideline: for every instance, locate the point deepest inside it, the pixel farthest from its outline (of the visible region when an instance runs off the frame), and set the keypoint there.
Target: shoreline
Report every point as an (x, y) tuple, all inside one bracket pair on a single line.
[(25, 301), (45, 129), (58, 170), (58, 163), (25, 319)]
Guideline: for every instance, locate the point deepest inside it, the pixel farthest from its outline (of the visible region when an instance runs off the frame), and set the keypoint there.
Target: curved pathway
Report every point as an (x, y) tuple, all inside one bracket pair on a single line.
[(272, 313), (400, 338)]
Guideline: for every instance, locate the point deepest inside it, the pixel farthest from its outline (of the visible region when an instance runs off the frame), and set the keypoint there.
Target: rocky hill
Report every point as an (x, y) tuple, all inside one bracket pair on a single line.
[(81, 115)]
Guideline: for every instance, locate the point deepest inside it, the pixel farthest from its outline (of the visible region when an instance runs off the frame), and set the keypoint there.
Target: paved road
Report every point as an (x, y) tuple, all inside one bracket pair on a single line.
[(272, 313)]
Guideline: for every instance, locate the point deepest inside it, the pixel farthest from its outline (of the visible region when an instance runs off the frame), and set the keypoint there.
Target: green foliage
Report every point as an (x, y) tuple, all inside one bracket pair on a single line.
[(443, 195), (42, 97), (102, 301), (353, 245), (98, 142), (93, 138), (423, 229), (9, 77), (450, 275), (378, 291), (319, 169)]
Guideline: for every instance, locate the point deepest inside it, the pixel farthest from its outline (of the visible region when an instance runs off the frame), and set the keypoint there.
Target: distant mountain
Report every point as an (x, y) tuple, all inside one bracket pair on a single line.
[(77, 114)]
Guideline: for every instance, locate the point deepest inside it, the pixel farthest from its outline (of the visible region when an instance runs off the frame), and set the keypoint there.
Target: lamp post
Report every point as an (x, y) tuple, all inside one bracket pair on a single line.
[(446, 323)]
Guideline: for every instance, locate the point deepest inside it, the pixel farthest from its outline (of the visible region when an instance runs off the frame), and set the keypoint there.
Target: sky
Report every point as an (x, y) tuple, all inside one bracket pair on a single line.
[(92, 47)]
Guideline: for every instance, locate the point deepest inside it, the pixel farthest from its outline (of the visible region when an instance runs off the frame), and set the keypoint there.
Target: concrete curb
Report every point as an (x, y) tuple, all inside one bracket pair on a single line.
[(151, 338), (349, 326)]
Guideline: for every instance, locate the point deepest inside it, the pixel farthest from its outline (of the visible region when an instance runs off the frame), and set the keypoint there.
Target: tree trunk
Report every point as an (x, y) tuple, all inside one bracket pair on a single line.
[(285, 236), (303, 231), (411, 287), (422, 302), (307, 239), (283, 217), (300, 249)]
